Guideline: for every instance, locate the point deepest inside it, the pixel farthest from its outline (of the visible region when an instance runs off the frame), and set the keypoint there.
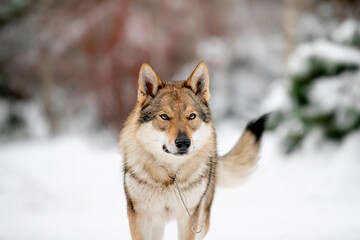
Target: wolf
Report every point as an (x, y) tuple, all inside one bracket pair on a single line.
[(170, 163)]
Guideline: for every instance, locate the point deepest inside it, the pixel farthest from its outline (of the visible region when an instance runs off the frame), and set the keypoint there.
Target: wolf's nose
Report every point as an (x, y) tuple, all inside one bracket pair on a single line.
[(182, 143)]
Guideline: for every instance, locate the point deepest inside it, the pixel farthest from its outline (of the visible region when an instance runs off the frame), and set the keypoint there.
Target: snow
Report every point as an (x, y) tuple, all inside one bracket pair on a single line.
[(346, 32), (322, 49), (310, 27), (70, 187), (278, 98), (312, 194), (215, 49), (344, 91), (62, 188)]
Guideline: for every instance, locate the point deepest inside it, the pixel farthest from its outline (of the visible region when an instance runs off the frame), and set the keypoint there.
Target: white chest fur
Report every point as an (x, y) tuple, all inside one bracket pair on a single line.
[(164, 201)]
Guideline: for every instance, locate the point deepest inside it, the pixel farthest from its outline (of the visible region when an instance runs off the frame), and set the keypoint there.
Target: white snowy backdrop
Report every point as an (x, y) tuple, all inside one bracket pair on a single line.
[(71, 188), (68, 185)]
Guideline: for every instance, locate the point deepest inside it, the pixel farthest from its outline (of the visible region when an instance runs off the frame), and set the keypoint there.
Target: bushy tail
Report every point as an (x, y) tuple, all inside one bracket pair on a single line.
[(241, 161)]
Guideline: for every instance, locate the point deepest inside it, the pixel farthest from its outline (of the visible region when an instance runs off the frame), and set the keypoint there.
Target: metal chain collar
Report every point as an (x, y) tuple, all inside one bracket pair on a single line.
[(196, 227)]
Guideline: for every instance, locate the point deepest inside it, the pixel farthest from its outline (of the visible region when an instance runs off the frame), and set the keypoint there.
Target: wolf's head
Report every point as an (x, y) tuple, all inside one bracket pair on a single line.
[(174, 117)]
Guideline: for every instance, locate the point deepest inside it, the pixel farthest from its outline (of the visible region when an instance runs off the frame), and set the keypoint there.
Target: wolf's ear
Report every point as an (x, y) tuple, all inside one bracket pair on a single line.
[(149, 82), (199, 81)]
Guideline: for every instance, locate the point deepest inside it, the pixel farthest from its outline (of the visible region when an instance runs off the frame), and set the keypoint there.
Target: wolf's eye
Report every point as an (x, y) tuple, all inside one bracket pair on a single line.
[(192, 116), (164, 117)]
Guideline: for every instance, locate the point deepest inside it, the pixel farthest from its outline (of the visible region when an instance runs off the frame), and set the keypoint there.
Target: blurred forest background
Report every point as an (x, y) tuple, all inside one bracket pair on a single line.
[(68, 80), (70, 65)]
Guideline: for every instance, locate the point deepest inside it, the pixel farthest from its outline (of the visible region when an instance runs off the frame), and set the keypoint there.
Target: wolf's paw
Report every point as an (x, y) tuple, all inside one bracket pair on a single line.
[(257, 126)]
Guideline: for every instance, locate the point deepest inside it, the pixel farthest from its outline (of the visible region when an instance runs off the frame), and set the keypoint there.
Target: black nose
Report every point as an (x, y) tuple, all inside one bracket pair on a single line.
[(182, 142)]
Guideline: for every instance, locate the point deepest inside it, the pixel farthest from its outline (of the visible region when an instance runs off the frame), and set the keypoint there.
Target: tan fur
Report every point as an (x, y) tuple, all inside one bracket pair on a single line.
[(240, 162), (150, 155)]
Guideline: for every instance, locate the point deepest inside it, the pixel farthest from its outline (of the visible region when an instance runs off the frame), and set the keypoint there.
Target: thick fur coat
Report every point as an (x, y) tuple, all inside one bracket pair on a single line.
[(169, 136)]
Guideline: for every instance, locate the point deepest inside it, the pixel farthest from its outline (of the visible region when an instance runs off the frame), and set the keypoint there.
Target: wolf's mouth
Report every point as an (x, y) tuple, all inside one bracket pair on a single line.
[(177, 153), (165, 149)]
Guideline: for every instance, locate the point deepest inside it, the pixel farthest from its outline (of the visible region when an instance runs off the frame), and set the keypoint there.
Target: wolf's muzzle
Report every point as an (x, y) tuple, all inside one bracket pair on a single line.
[(182, 143)]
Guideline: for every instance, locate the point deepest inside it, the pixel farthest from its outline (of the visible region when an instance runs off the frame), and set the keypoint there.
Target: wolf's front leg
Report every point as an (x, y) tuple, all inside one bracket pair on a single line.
[(157, 229), (140, 225), (185, 227)]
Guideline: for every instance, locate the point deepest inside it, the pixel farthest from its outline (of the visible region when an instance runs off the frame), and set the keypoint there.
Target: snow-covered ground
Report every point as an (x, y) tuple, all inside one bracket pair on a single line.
[(70, 187)]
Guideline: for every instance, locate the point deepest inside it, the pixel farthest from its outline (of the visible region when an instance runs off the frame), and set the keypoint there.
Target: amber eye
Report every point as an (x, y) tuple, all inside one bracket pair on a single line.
[(192, 116), (164, 117)]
